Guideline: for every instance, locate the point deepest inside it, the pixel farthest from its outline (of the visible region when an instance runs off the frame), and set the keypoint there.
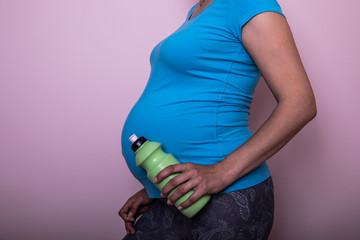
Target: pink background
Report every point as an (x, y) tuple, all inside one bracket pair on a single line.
[(70, 71)]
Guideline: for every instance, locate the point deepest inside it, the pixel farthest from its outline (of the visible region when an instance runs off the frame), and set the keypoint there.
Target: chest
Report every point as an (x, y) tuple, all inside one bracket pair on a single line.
[(203, 4)]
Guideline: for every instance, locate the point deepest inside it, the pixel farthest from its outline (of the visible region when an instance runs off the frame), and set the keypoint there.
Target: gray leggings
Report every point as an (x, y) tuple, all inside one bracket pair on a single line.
[(243, 214)]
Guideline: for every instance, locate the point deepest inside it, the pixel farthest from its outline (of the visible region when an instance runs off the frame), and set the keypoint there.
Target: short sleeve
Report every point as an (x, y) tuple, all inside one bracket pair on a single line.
[(241, 11)]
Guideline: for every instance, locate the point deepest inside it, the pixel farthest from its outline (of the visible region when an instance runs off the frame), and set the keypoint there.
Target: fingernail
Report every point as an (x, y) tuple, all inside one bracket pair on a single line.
[(168, 202), (130, 214), (162, 195), (179, 207), (155, 180)]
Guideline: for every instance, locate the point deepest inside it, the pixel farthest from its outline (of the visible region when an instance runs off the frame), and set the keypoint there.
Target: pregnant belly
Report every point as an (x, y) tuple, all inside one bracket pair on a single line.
[(199, 132)]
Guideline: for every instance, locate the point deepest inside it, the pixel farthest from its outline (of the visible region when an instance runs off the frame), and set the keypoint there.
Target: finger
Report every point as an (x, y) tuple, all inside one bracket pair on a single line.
[(197, 194), (128, 211), (123, 212), (141, 210), (174, 182), (134, 208), (175, 168), (127, 230), (181, 191), (130, 227)]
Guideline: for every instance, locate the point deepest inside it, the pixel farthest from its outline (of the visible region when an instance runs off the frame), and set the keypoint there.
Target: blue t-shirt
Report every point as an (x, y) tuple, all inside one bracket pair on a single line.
[(197, 99)]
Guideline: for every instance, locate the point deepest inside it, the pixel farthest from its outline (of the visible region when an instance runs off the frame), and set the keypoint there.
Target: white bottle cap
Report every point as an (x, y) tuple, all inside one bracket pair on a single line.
[(133, 138)]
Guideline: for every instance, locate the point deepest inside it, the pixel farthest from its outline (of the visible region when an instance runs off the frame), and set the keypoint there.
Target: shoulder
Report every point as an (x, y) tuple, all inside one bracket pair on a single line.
[(239, 12), (241, 9)]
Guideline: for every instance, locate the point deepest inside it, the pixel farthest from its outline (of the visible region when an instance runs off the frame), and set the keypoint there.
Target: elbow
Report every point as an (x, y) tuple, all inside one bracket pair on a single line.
[(312, 113), (303, 109), (310, 110), (300, 105)]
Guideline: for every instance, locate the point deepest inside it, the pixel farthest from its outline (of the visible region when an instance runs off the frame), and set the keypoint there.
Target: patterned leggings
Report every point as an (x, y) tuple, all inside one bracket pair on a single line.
[(243, 214)]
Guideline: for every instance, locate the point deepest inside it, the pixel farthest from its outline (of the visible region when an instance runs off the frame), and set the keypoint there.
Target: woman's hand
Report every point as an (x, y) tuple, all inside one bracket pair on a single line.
[(133, 208), (204, 179)]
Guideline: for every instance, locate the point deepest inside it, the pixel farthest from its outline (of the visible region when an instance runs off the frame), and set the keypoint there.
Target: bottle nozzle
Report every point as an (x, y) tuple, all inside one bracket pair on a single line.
[(133, 138), (136, 142)]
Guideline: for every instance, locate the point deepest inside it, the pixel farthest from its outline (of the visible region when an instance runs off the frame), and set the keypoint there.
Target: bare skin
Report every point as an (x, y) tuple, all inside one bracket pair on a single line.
[(133, 208), (202, 5), (268, 39)]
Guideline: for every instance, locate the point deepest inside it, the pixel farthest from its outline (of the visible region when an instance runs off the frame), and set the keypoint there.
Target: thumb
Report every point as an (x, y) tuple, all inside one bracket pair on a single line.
[(134, 209), (125, 212), (130, 215)]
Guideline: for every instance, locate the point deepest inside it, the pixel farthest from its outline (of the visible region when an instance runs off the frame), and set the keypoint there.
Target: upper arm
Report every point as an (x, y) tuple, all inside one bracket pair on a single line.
[(268, 40)]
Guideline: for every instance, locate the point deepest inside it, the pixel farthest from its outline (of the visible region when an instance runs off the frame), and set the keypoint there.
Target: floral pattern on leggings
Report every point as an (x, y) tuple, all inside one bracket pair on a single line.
[(245, 214)]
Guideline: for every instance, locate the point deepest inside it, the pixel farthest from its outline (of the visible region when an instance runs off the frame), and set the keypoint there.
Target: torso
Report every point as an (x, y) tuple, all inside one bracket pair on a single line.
[(198, 96)]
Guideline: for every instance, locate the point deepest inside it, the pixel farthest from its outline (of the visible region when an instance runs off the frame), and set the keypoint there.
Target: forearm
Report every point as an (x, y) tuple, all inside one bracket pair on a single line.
[(285, 121)]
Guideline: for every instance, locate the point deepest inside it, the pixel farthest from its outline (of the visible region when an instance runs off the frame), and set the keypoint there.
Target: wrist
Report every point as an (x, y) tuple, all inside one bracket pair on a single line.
[(227, 175), (230, 171)]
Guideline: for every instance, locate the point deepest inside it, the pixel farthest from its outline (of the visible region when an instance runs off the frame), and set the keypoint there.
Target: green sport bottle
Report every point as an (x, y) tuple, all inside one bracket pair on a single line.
[(151, 157)]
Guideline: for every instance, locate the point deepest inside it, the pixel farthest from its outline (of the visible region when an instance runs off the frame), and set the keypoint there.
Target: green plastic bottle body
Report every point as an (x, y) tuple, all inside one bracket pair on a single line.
[(153, 159)]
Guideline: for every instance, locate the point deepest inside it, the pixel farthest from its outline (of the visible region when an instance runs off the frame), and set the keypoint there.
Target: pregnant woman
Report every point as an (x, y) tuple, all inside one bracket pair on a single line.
[(196, 103)]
